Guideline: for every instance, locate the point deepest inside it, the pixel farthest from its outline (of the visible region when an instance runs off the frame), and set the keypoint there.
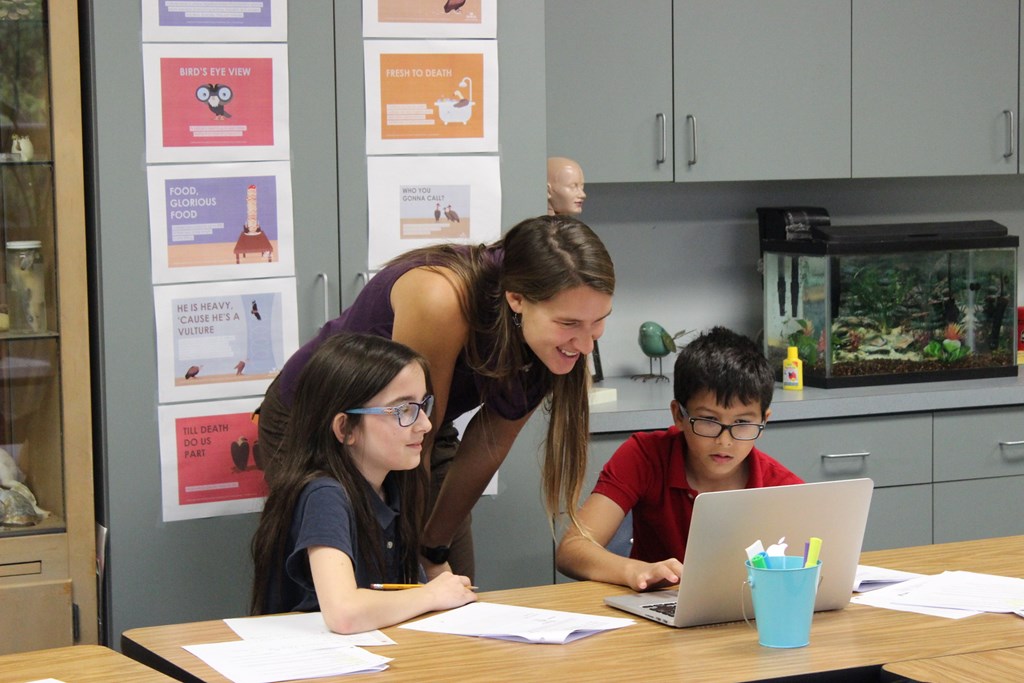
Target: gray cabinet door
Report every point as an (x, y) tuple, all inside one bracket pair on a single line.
[(978, 508), (973, 444), (762, 89), (931, 80), (609, 87)]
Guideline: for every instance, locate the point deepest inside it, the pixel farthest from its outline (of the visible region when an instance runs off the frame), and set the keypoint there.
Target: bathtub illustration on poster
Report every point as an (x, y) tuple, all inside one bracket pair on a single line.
[(459, 109)]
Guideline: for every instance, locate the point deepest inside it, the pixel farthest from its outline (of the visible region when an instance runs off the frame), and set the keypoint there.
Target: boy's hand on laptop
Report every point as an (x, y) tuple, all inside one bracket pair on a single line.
[(646, 576)]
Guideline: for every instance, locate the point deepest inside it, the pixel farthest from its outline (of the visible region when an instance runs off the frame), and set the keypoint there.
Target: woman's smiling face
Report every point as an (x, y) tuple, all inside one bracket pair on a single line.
[(563, 328)]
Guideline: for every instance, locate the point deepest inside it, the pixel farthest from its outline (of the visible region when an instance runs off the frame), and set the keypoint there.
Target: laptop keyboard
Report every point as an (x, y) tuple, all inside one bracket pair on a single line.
[(666, 608)]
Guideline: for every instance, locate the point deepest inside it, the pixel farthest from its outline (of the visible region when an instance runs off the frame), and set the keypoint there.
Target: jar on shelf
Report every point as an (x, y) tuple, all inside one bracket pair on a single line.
[(26, 286)]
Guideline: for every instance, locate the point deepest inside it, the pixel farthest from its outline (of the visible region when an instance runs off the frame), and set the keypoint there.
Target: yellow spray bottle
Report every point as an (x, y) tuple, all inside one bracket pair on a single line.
[(792, 370)]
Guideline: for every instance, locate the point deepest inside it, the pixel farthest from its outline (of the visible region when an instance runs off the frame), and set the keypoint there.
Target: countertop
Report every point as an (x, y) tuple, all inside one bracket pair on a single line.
[(644, 405)]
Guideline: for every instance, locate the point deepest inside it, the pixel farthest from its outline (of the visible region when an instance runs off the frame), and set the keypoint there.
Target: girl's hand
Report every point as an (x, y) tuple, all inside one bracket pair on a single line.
[(449, 590)]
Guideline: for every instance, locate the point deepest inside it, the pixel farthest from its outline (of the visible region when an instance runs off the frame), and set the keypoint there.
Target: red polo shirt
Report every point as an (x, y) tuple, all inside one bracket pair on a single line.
[(647, 475)]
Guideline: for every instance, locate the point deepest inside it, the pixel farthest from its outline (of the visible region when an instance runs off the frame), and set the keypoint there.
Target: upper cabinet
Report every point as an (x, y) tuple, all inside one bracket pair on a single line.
[(702, 90), (609, 87), (47, 529), (934, 87), (762, 89)]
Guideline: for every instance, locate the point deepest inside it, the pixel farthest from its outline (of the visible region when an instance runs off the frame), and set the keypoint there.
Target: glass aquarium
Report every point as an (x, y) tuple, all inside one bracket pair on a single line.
[(885, 304)]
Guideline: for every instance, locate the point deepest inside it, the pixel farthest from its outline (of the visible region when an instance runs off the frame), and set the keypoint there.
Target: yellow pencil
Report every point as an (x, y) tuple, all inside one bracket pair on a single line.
[(401, 586)]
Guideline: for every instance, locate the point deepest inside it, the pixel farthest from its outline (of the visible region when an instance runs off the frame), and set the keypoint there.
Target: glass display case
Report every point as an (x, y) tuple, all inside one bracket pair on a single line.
[(884, 304), (47, 532)]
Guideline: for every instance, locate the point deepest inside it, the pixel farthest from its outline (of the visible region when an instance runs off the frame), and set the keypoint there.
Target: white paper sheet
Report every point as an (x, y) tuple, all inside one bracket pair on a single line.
[(966, 591), (521, 624), (306, 624), (888, 598), (284, 659), (870, 578)]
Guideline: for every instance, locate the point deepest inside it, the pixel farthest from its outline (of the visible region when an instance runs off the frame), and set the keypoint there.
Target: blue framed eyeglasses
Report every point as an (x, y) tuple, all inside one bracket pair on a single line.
[(712, 429), (406, 413)]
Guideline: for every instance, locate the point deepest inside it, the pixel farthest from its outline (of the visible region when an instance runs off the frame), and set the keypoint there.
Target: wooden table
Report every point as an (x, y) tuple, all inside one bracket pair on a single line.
[(989, 666), (75, 664), (855, 638)]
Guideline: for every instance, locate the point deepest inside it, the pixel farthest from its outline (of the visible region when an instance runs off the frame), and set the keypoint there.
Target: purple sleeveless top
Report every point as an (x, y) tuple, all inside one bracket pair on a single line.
[(371, 313)]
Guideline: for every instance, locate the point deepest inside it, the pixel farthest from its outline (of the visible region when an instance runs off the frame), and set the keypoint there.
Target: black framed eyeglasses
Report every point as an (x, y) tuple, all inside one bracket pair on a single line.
[(712, 429), (406, 413)]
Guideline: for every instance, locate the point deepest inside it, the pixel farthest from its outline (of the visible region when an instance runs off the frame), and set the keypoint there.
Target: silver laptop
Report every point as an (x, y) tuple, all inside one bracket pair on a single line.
[(725, 523)]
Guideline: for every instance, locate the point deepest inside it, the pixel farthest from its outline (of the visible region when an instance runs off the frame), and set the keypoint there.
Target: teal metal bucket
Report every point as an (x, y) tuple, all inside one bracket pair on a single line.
[(783, 598)]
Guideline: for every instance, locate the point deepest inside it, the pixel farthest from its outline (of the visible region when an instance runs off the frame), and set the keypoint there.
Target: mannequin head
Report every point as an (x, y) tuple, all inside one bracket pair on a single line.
[(565, 187)]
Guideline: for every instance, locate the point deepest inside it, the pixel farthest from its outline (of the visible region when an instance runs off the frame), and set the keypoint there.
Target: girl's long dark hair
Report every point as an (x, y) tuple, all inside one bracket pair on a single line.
[(543, 257), (345, 372)]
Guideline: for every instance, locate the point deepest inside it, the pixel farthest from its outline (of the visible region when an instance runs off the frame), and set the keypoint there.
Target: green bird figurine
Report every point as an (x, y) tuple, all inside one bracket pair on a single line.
[(656, 342)]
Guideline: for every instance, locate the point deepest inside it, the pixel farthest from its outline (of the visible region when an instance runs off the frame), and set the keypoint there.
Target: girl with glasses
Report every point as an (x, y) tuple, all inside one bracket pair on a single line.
[(345, 506), (502, 326)]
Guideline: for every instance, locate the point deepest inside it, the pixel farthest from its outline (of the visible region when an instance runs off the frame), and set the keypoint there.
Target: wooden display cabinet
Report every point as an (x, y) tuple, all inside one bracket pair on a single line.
[(47, 565)]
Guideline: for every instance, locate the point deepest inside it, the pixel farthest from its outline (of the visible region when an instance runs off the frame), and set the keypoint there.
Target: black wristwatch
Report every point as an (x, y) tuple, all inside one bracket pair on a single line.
[(437, 555)]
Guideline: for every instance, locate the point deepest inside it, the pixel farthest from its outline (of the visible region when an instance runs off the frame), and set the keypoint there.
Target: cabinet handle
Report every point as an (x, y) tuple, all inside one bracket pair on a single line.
[(1010, 134), (327, 312), (660, 119), (1011, 443), (836, 456), (691, 120)]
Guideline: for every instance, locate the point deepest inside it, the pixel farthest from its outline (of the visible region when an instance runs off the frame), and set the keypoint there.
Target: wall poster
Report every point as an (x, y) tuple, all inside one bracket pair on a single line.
[(417, 201), (220, 21), (221, 221), (210, 462), (431, 96), (216, 102), (223, 339), (430, 18)]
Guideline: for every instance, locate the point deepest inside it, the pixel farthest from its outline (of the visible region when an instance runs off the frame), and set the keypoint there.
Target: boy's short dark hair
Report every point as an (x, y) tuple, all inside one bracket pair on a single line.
[(729, 365)]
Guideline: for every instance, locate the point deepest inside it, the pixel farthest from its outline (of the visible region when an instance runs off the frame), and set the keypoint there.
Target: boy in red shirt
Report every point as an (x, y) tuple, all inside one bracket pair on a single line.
[(723, 386)]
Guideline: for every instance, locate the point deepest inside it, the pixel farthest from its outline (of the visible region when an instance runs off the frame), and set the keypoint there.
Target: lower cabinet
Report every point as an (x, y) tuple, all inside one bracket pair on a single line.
[(979, 473), (979, 508), (895, 451)]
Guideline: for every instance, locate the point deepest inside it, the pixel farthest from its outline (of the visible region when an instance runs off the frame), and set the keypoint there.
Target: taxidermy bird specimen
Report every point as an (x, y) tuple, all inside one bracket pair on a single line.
[(655, 342), (215, 96)]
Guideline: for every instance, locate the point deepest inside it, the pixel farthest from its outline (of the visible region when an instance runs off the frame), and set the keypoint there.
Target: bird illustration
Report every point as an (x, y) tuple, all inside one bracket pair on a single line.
[(215, 96), (437, 212), (256, 310), (239, 367), (192, 371), (453, 5), (656, 342), (449, 213), (240, 454)]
